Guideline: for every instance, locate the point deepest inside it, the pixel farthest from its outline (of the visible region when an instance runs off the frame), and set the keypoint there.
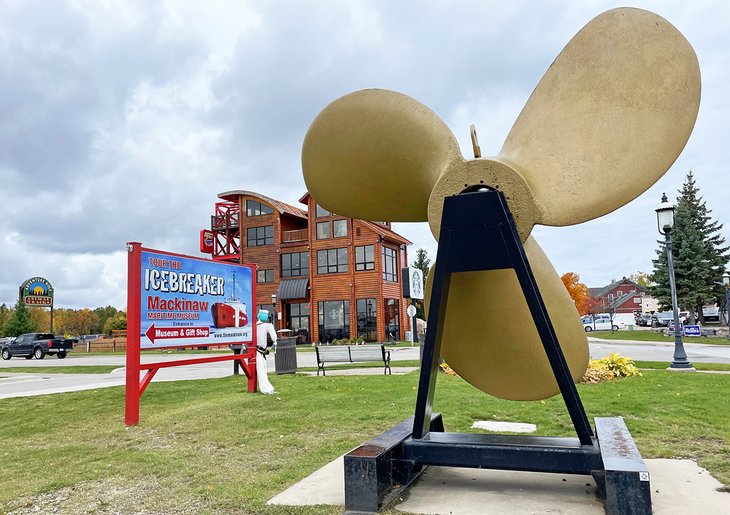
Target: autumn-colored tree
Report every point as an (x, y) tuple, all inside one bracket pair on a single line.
[(61, 320), (82, 321), (578, 292), (116, 323), (5, 313), (41, 318), (640, 278)]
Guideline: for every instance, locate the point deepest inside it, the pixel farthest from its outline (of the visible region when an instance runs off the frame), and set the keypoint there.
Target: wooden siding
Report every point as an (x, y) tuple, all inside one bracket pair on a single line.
[(351, 285)]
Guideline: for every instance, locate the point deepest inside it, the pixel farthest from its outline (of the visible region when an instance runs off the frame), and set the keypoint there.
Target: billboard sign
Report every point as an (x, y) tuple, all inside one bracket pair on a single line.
[(187, 301), (37, 291)]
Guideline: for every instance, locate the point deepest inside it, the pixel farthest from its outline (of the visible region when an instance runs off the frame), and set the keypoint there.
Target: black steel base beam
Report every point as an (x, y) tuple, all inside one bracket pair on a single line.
[(504, 452), (375, 472)]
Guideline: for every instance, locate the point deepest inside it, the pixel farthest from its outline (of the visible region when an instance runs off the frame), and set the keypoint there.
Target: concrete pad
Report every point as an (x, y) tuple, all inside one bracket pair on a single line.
[(447, 490), (681, 486), (678, 487), (504, 427), (324, 486)]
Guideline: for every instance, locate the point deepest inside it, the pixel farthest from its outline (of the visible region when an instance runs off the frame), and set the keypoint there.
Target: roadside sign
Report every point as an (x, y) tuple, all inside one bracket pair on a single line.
[(37, 291), (692, 330), (412, 280), (189, 301), (183, 301)]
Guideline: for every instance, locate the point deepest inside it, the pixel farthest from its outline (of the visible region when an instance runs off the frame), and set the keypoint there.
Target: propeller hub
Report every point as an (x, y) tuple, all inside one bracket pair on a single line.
[(484, 173)]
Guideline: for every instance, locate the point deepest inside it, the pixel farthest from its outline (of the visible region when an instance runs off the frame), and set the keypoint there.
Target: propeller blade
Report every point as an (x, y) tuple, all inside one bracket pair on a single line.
[(608, 118), (489, 337), (375, 155)]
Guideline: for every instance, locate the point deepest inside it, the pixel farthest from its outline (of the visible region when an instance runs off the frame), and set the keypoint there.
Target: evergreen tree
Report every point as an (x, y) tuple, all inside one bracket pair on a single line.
[(422, 263), (19, 322), (699, 255)]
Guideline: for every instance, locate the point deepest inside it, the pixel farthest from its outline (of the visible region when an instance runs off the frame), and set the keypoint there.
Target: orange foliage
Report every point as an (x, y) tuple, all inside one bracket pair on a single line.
[(578, 292)]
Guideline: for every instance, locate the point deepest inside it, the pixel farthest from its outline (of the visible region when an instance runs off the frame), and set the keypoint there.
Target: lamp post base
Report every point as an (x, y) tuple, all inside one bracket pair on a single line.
[(681, 366)]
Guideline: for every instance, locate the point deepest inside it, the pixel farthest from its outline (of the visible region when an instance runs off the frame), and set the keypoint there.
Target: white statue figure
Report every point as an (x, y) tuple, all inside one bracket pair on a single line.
[(264, 328)]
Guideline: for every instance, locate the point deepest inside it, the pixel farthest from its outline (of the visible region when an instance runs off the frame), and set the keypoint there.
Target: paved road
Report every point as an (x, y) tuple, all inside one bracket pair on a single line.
[(29, 384), (659, 351)]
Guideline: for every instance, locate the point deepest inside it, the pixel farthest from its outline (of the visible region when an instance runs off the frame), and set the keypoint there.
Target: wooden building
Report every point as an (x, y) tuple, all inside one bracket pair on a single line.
[(334, 277), (624, 296)]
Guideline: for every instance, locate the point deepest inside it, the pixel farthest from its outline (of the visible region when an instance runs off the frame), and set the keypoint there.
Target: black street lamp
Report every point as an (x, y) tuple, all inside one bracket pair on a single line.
[(273, 303), (726, 284), (665, 224)]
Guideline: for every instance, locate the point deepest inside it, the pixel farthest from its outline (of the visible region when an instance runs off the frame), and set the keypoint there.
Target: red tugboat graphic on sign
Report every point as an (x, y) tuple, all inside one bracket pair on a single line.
[(231, 313)]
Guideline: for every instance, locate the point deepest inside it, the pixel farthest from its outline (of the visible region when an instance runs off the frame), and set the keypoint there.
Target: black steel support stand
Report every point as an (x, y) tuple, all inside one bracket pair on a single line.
[(478, 233)]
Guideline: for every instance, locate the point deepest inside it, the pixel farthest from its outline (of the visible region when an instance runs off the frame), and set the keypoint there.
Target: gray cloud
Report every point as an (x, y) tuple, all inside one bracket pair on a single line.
[(123, 121)]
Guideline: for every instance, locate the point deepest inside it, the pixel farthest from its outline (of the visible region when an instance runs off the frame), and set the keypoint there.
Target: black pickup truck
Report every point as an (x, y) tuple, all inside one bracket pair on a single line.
[(38, 345)]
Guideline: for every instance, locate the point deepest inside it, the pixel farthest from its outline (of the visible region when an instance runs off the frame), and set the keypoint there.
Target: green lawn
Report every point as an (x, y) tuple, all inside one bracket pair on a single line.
[(205, 446), (649, 336), (102, 369), (662, 365)]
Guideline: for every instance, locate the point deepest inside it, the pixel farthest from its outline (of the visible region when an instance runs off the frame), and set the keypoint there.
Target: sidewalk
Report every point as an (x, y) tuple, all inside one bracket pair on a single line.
[(678, 487)]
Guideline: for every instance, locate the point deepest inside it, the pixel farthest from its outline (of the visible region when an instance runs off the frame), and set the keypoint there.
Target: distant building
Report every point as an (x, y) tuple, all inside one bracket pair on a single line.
[(624, 296), (334, 277)]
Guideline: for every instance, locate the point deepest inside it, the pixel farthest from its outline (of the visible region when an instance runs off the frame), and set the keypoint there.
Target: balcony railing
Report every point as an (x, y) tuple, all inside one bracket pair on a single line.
[(291, 236)]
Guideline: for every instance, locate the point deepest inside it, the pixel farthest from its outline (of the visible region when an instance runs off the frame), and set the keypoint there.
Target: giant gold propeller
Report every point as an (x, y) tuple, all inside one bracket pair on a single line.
[(607, 120)]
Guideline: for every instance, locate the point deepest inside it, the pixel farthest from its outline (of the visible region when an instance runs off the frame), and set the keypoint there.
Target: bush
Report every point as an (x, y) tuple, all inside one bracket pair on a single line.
[(445, 368), (612, 367), (596, 373)]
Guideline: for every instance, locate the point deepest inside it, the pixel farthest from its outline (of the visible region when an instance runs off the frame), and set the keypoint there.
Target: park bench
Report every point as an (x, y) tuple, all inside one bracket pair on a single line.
[(352, 354)]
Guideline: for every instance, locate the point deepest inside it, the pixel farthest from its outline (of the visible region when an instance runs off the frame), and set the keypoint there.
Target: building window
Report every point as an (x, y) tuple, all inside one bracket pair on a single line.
[(255, 208), (367, 323), (332, 261), (390, 270), (264, 276), (323, 230), (295, 264), (269, 308), (339, 228), (392, 320), (297, 319), (365, 258), (334, 320), (320, 211), (258, 236)]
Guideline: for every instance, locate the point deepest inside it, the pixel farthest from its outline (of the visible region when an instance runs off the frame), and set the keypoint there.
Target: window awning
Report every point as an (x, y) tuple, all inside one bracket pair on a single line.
[(293, 288)]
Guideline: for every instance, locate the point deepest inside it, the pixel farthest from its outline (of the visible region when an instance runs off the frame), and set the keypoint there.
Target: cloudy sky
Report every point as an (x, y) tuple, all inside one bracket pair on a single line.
[(122, 120)]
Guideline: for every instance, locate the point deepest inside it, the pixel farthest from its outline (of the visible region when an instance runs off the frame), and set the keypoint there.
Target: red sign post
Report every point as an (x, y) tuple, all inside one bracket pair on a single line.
[(178, 301)]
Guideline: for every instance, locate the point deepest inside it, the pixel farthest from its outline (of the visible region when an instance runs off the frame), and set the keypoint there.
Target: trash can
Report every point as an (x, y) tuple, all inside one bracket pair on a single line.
[(285, 358)]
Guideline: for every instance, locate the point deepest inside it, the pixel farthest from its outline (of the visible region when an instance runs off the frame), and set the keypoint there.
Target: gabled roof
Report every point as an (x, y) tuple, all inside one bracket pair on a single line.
[(281, 207), (605, 290), (386, 232)]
